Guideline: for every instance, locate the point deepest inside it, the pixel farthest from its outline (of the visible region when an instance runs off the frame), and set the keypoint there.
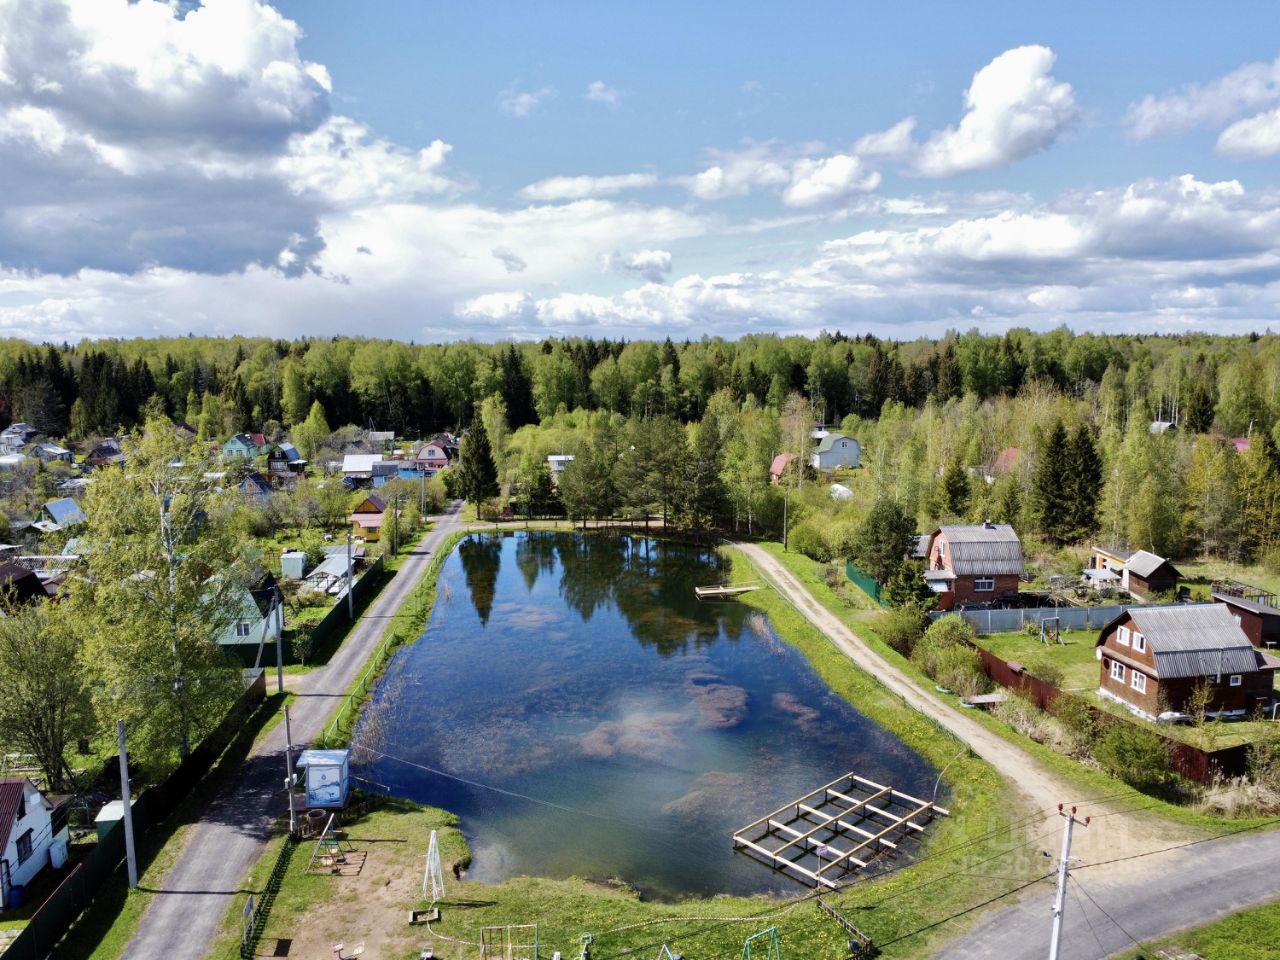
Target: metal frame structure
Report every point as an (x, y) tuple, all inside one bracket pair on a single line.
[(834, 831), (771, 949), (510, 942)]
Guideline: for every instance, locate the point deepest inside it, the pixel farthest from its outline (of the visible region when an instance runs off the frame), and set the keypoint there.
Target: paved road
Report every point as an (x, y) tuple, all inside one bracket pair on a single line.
[(181, 921), (1174, 890), (1168, 879)]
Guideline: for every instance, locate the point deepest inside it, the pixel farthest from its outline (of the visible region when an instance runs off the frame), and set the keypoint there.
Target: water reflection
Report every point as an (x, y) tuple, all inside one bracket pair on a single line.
[(641, 726)]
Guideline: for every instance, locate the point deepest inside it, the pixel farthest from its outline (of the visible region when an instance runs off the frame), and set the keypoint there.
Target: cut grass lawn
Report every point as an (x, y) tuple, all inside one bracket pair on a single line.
[(1249, 935), (1074, 656)]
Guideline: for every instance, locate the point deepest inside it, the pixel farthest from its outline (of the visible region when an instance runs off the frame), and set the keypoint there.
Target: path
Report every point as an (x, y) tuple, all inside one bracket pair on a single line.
[(1151, 876), (182, 919)]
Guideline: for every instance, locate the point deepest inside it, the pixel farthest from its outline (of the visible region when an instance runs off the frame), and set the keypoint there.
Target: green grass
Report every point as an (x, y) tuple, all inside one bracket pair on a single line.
[(1249, 935), (1200, 574), (1075, 656)]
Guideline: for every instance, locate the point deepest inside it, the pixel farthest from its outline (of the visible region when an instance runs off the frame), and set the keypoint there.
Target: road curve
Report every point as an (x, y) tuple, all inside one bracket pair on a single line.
[(183, 917), (1151, 877)]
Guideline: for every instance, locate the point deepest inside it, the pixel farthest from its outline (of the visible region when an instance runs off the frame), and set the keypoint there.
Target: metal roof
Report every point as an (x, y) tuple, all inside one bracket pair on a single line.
[(984, 550), (1144, 563), (1195, 640), (65, 511), (830, 440)]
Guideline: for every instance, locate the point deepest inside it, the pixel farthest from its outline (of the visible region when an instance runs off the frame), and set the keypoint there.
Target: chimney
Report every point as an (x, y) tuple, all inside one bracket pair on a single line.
[(988, 524)]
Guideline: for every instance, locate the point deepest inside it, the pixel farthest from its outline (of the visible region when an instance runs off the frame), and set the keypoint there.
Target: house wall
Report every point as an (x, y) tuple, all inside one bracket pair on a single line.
[(1158, 583), (963, 590), (39, 821), (839, 456)]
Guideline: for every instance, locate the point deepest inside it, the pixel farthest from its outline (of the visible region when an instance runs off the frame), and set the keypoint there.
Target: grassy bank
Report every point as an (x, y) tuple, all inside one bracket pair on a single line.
[(1248, 935), (408, 624)]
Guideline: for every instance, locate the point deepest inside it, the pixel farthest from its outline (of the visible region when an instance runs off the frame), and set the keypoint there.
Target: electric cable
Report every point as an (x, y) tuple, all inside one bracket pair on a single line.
[(1113, 920)]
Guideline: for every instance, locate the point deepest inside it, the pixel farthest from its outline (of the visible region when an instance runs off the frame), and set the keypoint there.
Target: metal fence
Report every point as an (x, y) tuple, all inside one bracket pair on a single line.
[(865, 583), (1070, 618), (88, 878)]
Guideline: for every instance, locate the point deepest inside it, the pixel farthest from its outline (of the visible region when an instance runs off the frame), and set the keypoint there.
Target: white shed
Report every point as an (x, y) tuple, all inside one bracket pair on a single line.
[(328, 777)]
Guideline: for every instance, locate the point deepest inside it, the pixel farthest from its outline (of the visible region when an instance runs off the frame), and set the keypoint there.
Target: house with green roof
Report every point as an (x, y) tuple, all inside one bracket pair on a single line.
[(835, 451)]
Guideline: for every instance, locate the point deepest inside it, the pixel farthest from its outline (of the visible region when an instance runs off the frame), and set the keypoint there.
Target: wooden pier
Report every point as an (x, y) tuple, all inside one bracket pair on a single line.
[(823, 838), (723, 592)]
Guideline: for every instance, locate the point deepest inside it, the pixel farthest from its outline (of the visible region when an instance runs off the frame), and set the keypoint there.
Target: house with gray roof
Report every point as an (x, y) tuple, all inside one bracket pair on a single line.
[(973, 563), (1146, 575), (64, 512), (1151, 659), (835, 451)]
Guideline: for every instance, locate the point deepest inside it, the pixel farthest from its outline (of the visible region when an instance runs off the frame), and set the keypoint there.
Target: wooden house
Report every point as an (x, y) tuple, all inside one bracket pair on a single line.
[(1152, 658), (432, 457), (367, 518), (1256, 612), (973, 564), (835, 451), (34, 832), (1145, 575), (248, 445), (779, 467)]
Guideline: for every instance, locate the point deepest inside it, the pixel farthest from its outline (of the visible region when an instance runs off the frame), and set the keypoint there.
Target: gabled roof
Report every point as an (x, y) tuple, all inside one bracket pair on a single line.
[(780, 463), (11, 791), (265, 592), (1194, 640), (257, 479), (257, 439), (1144, 563), (984, 550), (360, 462), (21, 584), (289, 450), (373, 500), (65, 512), (1005, 460), (830, 440)]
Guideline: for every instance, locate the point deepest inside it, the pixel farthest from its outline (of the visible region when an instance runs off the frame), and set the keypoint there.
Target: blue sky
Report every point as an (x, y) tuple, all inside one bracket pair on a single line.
[(432, 171)]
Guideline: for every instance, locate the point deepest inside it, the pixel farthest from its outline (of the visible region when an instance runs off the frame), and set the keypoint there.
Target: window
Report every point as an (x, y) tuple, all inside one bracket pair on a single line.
[(1117, 670), (22, 805), (1122, 636), (984, 584), (1236, 679), (242, 628), (24, 848), (1139, 642), (1138, 681)]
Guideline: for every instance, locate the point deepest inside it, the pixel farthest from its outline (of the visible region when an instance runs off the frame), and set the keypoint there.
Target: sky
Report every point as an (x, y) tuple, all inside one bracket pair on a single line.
[(434, 172)]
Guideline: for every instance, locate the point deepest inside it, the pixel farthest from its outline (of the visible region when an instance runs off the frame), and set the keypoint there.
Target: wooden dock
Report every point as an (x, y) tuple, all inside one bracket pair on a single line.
[(829, 834), (723, 592)]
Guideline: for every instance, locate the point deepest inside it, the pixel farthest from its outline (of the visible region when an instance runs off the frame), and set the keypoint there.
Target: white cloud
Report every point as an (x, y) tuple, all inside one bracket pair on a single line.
[(1243, 90), (600, 92), (828, 180), (896, 143), (510, 259), (652, 265), (1257, 136), (737, 173), (581, 188), (504, 308), (520, 103), (1013, 108)]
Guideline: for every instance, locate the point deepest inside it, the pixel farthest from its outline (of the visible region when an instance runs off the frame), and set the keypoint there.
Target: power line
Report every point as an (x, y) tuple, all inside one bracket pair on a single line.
[(1113, 920), (1102, 951)]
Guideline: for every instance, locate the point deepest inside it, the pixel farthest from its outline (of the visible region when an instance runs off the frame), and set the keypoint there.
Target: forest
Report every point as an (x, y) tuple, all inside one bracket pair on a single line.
[(967, 427)]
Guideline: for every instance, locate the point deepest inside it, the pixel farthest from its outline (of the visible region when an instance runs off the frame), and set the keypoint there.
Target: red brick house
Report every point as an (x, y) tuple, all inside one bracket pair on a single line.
[(1151, 658), (973, 564)]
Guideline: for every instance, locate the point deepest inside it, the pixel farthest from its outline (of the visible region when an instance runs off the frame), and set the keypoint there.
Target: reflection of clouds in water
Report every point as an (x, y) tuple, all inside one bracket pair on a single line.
[(524, 615), (644, 736)]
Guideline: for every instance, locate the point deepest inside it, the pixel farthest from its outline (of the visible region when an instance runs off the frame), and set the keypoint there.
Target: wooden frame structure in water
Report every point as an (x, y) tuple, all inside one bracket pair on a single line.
[(829, 834)]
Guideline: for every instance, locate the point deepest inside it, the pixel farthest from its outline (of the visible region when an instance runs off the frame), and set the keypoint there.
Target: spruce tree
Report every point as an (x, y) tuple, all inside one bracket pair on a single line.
[(1050, 487), (477, 475), (1084, 482)]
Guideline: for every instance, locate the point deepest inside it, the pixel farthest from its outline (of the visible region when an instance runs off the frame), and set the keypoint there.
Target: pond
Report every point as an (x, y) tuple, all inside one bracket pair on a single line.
[(585, 715)]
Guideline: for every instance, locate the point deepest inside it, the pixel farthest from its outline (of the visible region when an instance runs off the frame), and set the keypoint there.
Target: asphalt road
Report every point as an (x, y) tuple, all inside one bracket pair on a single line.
[(182, 919), (1112, 905)]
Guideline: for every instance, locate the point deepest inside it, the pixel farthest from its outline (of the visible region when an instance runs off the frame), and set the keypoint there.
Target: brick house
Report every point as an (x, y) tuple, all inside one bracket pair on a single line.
[(1151, 658), (973, 564)]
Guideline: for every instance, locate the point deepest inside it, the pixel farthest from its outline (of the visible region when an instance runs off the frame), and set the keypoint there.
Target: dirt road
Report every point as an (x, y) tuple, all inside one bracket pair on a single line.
[(182, 920), (1118, 833)]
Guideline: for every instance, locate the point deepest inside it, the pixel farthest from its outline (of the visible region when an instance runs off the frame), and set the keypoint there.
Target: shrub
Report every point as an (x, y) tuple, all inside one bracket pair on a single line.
[(948, 631), (901, 628), (805, 538), (959, 669), (1020, 713), (1046, 669), (1135, 755), (1078, 720)]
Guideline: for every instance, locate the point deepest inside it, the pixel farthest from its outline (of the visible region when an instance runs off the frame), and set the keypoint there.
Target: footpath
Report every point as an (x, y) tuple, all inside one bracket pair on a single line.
[(182, 918), (1148, 877)]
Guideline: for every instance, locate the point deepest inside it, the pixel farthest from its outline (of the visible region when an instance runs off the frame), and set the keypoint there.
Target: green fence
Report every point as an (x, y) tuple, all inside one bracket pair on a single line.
[(85, 881), (865, 583)]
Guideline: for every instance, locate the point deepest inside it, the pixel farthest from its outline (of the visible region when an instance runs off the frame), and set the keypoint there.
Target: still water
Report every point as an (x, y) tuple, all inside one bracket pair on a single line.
[(596, 720)]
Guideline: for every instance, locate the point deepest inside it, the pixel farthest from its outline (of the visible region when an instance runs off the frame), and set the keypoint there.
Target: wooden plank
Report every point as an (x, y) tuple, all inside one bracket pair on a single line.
[(793, 803), (868, 842), (808, 839), (852, 827), (855, 804), (904, 796), (782, 863)]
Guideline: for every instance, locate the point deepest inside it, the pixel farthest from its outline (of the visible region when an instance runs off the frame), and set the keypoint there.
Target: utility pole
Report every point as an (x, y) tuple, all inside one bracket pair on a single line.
[(1064, 865), (271, 618), (130, 854), (785, 493), (288, 765), (351, 606)]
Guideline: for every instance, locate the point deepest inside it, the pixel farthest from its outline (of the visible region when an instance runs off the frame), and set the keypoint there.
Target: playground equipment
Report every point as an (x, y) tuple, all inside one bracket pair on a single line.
[(771, 951)]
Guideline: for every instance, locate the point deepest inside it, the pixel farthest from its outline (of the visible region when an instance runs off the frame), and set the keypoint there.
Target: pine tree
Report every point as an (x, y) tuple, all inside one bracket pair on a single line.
[(884, 539), (477, 475), (704, 500)]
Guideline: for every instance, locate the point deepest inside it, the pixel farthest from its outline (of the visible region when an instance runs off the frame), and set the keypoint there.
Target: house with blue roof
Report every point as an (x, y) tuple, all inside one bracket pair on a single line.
[(63, 513)]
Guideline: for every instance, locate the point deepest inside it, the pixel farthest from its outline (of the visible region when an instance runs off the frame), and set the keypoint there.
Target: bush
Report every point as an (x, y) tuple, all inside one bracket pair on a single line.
[(1046, 669), (1135, 755), (805, 538), (901, 628), (959, 669), (1078, 720), (946, 632), (1020, 712)]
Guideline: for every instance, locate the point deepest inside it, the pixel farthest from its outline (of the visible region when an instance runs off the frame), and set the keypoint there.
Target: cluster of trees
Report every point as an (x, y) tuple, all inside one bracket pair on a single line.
[(1198, 382)]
